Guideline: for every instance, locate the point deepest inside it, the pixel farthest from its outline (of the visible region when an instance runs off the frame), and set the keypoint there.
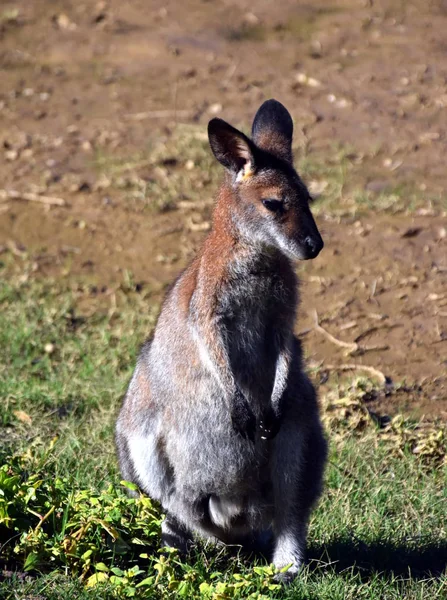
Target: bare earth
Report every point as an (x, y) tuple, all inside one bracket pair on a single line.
[(83, 83)]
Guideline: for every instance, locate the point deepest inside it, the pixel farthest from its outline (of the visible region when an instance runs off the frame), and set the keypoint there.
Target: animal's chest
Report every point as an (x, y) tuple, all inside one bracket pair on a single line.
[(249, 324)]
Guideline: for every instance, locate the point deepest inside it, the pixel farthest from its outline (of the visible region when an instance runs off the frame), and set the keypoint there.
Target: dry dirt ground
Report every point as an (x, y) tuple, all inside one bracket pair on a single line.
[(105, 173)]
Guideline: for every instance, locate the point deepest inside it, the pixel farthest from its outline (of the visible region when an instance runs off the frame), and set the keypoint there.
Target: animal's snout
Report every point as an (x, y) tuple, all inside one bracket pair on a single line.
[(313, 244)]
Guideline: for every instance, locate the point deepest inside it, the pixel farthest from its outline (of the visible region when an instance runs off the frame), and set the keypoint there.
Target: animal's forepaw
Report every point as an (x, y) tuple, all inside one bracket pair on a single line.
[(285, 577), (269, 425), (242, 418)]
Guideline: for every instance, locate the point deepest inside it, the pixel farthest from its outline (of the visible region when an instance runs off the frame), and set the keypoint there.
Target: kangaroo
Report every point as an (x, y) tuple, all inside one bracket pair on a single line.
[(220, 423)]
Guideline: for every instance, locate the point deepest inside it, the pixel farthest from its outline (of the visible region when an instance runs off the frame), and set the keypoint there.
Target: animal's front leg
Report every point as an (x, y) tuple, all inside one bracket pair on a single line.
[(271, 421), (242, 417), (213, 348)]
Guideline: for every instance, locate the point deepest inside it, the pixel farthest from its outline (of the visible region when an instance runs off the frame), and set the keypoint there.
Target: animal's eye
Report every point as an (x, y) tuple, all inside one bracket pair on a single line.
[(273, 205)]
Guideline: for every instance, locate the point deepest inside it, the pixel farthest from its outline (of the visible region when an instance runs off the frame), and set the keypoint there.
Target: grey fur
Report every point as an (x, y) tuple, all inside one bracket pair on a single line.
[(176, 435)]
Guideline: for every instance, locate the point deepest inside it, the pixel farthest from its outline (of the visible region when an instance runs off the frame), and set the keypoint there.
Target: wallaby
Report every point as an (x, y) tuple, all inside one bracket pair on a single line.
[(220, 423)]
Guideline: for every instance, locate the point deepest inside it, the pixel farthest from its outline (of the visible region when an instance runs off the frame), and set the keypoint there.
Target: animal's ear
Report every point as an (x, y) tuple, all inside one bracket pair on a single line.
[(234, 150), (272, 129)]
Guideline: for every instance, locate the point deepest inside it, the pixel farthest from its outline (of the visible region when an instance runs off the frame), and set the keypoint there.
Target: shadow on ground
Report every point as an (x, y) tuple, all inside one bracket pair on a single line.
[(388, 559)]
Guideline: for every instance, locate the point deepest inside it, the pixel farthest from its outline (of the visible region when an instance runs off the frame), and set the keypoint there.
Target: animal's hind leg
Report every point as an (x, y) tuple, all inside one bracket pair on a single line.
[(125, 462), (300, 453), (175, 535)]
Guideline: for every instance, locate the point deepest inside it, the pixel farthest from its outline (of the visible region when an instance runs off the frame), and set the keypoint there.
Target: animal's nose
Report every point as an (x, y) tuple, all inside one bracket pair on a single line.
[(314, 245)]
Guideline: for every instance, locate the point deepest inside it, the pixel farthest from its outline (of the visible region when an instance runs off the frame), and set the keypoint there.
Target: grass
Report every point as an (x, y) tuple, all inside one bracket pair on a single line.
[(180, 169), (67, 528)]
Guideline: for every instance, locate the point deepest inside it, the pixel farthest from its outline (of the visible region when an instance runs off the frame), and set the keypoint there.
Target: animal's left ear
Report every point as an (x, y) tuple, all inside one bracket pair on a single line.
[(234, 150), (272, 129)]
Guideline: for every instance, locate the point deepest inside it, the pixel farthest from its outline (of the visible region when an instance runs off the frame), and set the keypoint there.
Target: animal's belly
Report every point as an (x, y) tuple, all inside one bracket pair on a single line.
[(215, 461)]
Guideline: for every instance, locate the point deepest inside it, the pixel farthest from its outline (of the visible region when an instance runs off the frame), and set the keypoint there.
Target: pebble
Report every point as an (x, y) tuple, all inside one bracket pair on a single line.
[(215, 109), (11, 155), (304, 79)]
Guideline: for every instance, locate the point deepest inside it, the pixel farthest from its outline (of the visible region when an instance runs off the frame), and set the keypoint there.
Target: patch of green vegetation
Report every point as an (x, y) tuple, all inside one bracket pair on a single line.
[(178, 167), (67, 528), (336, 173)]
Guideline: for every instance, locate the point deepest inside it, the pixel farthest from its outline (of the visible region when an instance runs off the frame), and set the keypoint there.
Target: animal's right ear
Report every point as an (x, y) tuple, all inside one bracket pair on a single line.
[(234, 150), (273, 129)]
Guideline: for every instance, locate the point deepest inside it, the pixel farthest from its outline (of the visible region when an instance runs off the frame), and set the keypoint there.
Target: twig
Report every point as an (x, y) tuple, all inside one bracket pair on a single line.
[(190, 205), (304, 331), (356, 367), (15, 249), (158, 114), (365, 333), (352, 348), (204, 226), (44, 518), (31, 197)]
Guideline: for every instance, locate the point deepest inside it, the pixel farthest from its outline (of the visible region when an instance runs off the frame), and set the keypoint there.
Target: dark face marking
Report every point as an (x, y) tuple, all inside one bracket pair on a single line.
[(274, 205)]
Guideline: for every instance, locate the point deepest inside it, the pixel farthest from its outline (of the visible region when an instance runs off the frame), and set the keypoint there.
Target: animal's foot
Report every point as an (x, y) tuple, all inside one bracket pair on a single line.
[(286, 577), (288, 558), (175, 535)]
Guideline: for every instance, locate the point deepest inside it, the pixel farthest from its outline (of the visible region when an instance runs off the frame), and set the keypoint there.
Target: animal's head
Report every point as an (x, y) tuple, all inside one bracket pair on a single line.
[(272, 203)]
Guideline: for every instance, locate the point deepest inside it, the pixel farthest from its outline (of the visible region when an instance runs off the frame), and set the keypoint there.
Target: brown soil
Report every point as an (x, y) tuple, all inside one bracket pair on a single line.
[(84, 82)]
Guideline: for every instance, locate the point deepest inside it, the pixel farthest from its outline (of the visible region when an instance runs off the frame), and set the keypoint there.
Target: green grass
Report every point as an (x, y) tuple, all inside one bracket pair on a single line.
[(180, 168), (68, 530)]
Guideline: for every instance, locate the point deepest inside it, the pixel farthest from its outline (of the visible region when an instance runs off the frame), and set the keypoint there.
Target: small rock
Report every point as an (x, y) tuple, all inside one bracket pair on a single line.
[(102, 183), (316, 188), (376, 186), (215, 109), (72, 129), (392, 165), (63, 22), (312, 82), (250, 19), (304, 79), (316, 49), (409, 101), (11, 155), (429, 136), (343, 103)]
